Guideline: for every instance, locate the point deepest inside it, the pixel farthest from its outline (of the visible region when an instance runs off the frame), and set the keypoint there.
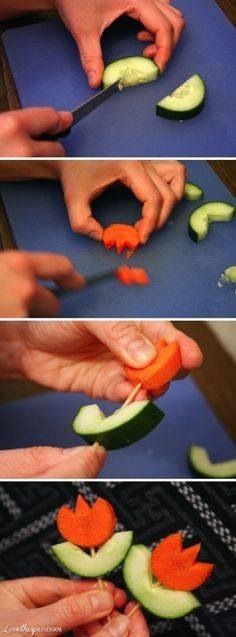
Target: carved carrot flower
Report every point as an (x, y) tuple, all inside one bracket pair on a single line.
[(176, 567)]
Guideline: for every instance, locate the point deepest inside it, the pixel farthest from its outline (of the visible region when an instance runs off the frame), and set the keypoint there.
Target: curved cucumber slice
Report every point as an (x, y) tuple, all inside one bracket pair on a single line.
[(123, 428), (185, 102), (108, 557), (158, 600), (201, 464), (192, 192), (130, 71), (201, 218), (230, 274)]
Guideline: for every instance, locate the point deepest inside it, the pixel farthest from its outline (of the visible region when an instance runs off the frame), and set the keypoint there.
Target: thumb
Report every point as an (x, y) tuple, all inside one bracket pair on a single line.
[(91, 57), (75, 610), (126, 340)]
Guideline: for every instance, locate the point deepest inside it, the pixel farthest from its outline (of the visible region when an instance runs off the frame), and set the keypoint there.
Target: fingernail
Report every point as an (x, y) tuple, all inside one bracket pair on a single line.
[(142, 351), (72, 451), (99, 450), (101, 600), (92, 77), (119, 627)]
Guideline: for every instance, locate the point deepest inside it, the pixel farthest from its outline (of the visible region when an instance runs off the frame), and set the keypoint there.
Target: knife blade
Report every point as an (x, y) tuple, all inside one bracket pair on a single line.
[(60, 292), (84, 109)]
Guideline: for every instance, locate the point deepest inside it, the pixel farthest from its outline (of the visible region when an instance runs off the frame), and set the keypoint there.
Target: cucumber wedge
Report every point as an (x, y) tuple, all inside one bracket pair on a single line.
[(201, 218), (130, 71), (185, 102), (159, 601), (202, 465), (124, 427), (230, 274), (108, 557), (192, 192)]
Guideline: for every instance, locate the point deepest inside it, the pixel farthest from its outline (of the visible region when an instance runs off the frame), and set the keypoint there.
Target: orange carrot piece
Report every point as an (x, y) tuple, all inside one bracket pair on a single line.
[(121, 236), (87, 527), (176, 568), (128, 275), (165, 366)]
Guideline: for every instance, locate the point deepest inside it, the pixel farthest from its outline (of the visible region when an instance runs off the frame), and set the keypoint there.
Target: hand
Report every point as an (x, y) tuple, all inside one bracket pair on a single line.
[(137, 626), (20, 130), (159, 185), (52, 462), (53, 602), (87, 21), (21, 293), (87, 356)]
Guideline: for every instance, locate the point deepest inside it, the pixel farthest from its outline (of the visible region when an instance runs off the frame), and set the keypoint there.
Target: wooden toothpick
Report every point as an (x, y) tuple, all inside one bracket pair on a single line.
[(132, 395)]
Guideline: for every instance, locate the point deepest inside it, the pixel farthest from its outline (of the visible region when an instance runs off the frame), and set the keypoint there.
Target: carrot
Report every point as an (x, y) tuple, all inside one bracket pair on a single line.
[(160, 371), (121, 236), (87, 527), (176, 568), (128, 275)]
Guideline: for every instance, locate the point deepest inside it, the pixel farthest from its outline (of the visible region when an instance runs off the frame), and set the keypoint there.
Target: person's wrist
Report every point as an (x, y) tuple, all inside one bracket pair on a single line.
[(11, 351)]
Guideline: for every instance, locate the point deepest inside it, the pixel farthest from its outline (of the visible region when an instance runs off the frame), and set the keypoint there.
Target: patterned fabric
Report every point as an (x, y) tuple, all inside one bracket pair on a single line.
[(203, 511)]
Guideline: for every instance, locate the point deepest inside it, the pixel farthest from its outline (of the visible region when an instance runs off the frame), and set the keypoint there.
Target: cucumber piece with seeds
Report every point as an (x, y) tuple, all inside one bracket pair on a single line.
[(130, 71), (185, 102)]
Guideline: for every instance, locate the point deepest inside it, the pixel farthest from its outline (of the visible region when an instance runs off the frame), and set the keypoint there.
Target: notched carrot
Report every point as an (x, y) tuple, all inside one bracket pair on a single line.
[(87, 526), (176, 568), (161, 371), (121, 236), (130, 276)]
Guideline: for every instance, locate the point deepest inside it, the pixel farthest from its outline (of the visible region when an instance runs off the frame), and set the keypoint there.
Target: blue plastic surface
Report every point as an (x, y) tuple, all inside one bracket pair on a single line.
[(47, 420), (47, 71), (183, 274)]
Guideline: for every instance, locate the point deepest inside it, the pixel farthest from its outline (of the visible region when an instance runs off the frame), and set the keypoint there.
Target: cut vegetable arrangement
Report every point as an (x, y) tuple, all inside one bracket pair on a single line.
[(177, 568), (130, 71), (124, 427), (202, 217), (130, 276), (185, 102), (121, 236), (201, 464), (156, 375), (91, 526)]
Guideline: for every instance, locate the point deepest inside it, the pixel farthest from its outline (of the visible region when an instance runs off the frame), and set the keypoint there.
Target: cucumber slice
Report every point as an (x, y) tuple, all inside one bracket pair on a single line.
[(130, 71), (185, 102), (230, 274), (201, 464), (159, 601), (201, 218), (124, 427), (108, 556), (192, 192)]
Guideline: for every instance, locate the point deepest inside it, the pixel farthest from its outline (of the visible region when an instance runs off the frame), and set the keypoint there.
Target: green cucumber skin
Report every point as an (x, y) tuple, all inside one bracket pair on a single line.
[(203, 474), (180, 115), (128, 434), (101, 573), (193, 235)]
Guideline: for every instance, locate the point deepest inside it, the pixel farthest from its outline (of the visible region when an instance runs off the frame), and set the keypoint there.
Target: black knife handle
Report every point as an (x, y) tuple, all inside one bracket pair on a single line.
[(48, 137)]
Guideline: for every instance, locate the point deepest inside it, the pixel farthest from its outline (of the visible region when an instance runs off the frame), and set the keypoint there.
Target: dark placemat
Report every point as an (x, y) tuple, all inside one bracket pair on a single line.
[(203, 511)]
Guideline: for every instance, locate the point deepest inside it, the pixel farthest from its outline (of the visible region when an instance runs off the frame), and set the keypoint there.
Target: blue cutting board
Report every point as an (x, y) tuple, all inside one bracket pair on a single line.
[(47, 71), (183, 274), (47, 420)]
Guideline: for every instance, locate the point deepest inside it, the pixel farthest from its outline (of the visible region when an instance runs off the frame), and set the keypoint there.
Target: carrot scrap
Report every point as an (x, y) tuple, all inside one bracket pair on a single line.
[(128, 275), (160, 371), (87, 526), (121, 236), (176, 568)]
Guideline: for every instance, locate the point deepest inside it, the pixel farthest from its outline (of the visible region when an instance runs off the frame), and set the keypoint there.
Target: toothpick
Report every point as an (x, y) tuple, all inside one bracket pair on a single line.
[(101, 585), (132, 395), (133, 610)]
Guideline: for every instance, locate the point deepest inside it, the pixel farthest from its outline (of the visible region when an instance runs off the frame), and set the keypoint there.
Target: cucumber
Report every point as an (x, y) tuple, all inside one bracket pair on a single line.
[(201, 464), (159, 601), (108, 556), (185, 102), (230, 274), (130, 71), (201, 218), (192, 192), (124, 427)]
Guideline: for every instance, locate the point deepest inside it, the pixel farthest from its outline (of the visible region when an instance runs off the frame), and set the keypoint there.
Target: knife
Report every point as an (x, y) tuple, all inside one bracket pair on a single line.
[(84, 109), (60, 292)]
